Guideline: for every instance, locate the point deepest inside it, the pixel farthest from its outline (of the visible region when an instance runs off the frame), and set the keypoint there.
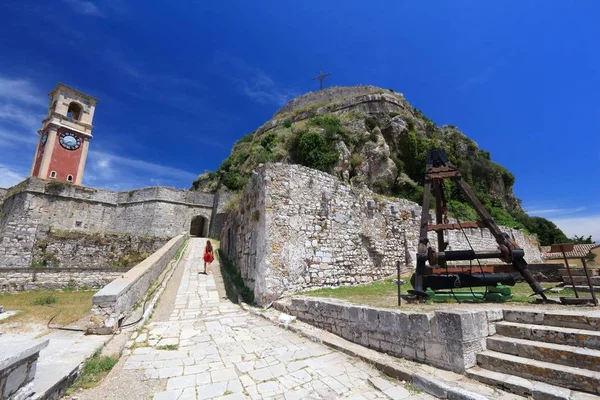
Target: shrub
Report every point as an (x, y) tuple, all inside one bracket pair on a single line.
[(45, 300), (331, 123), (288, 123), (234, 181), (461, 211), (370, 123), (314, 151), (356, 160), (269, 140)]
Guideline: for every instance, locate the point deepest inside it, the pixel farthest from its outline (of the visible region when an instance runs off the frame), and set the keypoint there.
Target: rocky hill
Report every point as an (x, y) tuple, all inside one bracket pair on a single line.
[(369, 137)]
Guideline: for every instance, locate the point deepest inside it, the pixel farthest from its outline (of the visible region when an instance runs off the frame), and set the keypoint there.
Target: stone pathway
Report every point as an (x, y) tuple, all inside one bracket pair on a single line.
[(211, 348)]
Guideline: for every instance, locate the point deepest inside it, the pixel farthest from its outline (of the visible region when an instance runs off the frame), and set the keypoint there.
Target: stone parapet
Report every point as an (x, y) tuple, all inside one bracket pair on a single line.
[(155, 193), (115, 301), (18, 360), (18, 279), (448, 339)]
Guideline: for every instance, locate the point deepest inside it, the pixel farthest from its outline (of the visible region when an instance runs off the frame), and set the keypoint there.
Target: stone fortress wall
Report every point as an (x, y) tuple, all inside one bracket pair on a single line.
[(338, 100), (327, 95), (34, 207), (296, 228)]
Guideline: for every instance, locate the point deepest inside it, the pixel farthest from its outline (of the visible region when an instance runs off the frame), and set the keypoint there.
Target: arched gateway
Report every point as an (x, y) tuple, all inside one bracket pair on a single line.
[(199, 226)]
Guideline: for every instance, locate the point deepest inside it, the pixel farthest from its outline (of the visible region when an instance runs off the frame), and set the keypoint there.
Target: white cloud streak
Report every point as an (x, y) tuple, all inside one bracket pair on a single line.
[(84, 7), (9, 176), (21, 91), (121, 173), (555, 211), (587, 225), (254, 83)]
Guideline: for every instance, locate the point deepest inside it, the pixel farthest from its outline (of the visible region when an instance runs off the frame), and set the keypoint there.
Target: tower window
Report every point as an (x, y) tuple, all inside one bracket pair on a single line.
[(70, 178), (74, 111), (53, 174)]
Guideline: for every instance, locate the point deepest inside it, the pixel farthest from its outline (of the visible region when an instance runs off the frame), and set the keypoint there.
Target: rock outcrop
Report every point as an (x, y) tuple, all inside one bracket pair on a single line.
[(380, 142)]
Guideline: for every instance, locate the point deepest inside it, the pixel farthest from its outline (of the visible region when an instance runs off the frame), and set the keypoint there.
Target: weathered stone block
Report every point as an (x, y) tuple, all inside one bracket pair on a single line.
[(461, 325)]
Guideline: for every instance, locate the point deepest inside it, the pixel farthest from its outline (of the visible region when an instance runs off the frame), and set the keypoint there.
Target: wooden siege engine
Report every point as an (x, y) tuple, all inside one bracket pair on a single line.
[(438, 275)]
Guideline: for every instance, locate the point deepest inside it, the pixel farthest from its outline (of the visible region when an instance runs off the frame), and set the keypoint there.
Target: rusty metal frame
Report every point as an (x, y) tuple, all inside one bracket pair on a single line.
[(438, 168)]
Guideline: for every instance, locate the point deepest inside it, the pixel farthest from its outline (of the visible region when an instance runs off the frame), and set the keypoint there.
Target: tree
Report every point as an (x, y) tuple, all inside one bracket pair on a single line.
[(547, 232), (581, 240)]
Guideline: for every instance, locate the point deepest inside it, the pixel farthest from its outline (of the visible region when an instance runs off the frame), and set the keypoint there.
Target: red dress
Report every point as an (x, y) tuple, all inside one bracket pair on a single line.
[(208, 256)]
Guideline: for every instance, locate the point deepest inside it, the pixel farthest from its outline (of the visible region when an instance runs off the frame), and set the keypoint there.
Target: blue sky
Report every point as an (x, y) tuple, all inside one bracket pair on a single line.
[(180, 82)]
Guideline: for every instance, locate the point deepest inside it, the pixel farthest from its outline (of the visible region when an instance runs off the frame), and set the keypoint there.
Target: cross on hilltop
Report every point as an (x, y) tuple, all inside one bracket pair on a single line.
[(320, 78)]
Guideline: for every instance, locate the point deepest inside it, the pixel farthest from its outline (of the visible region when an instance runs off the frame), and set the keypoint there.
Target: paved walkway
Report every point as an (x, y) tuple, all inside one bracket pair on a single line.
[(211, 348)]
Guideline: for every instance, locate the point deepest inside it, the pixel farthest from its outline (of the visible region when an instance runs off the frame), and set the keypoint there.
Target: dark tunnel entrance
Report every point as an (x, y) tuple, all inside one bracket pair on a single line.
[(199, 226)]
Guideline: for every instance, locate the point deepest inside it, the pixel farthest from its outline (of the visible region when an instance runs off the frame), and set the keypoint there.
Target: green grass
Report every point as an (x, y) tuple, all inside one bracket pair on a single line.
[(181, 248), (236, 277), (171, 347), (37, 306), (45, 300), (94, 370), (385, 293)]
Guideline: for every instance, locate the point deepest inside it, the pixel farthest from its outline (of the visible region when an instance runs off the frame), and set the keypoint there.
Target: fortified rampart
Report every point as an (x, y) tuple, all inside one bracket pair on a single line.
[(296, 228), (34, 208), (328, 95), (365, 99)]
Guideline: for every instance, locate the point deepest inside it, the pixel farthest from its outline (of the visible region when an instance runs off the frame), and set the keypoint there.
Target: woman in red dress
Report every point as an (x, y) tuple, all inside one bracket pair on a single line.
[(208, 257)]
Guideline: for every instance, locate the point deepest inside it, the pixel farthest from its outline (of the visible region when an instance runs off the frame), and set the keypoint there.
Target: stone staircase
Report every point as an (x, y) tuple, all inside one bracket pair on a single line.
[(579, 279), (545, 355)]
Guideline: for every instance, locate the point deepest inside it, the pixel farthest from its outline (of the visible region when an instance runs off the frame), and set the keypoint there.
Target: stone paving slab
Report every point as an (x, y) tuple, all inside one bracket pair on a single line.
[(211, 348), (59, 363)]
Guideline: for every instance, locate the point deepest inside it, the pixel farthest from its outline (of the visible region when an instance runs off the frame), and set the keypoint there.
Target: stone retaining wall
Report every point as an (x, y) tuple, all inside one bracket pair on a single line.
[(18, 360), (296, 228), (446, 339), (18, 279), (34, 205), (79, 249), (115, 301)]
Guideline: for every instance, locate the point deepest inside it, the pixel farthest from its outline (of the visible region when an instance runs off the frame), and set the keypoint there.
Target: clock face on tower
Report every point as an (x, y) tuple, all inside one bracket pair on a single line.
[(44, 138), (69, 141)]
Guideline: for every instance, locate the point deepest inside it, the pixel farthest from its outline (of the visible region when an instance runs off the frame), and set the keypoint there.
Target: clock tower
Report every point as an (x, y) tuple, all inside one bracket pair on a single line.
[(65, 136)]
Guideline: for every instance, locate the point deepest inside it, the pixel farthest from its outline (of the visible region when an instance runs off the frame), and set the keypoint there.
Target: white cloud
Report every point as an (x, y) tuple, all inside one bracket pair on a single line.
[(253, 82), (121, 173), (9, 176), (22, 116), (15, 138), (21, 91), (84, 7), (581, 226), (555, 211)]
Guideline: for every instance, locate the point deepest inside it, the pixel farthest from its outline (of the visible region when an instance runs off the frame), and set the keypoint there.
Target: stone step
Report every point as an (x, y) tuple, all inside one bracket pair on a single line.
[(583, 288), (549, 352), (550, 334), (582, 280), (527, 387), (589, 320), (578, 271), (560, 375)]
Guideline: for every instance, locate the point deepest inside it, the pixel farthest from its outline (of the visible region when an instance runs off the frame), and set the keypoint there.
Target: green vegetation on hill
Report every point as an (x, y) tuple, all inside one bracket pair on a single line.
[(383, 150)]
